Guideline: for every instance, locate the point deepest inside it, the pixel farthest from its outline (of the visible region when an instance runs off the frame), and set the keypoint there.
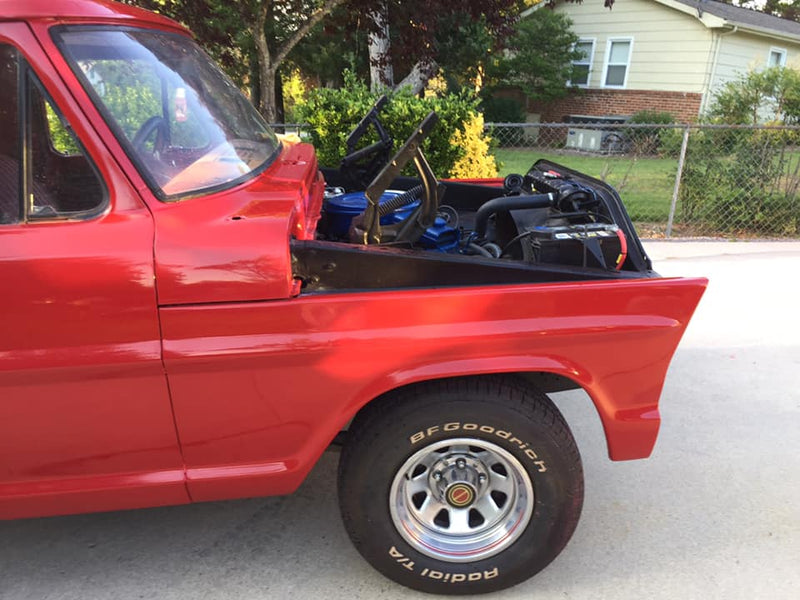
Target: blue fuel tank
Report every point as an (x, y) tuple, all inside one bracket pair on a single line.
[(340, 210)]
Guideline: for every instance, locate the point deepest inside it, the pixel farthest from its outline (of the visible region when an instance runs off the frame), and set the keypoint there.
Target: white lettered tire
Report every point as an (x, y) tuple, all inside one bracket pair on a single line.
[(460, 486)]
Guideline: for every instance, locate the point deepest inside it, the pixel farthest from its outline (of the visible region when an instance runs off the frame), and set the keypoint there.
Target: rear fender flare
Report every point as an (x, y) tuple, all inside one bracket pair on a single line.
[(630, 430)]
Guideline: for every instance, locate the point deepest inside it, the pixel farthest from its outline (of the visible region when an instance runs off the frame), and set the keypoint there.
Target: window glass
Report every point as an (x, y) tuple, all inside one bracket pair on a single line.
[(59, 181), (129, 88), (63, 183), (9, 136), (777, 58), (617, 66), (185, 125), (619, 52), (62, 140), (615, 75), (582, 67)]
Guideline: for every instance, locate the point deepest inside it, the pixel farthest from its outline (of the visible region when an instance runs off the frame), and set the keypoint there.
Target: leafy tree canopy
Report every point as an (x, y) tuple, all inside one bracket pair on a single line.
[(539, 56)]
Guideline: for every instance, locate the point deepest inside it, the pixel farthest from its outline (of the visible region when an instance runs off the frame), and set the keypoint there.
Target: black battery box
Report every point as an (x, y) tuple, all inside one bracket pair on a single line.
[(597, 245)]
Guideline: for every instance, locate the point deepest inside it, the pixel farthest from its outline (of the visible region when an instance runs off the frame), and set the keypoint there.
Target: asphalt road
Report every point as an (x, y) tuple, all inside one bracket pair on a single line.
[(715, 513)]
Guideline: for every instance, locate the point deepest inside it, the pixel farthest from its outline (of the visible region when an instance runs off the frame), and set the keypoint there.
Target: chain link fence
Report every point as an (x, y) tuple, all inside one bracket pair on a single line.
[(675, 180)]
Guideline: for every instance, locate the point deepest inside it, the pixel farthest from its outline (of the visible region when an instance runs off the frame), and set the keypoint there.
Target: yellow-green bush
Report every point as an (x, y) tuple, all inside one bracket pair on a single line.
[(333, 113), (476, 160)]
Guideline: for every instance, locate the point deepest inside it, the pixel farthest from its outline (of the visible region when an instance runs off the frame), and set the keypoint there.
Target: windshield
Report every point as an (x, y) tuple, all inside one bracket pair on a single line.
[(183, 122)]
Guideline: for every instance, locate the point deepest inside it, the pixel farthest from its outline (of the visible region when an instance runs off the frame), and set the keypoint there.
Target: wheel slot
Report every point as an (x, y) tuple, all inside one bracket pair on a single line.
[(442, 519), (499, 469), (475, 518), (499, 498)]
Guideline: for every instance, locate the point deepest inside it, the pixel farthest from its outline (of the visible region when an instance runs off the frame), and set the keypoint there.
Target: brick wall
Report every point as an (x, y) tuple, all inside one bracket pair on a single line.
[(684, 106)]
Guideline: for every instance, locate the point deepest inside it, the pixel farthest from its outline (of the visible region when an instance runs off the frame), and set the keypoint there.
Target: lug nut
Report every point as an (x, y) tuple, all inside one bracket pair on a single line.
[(461, 463), (481, 478), (437, 476)]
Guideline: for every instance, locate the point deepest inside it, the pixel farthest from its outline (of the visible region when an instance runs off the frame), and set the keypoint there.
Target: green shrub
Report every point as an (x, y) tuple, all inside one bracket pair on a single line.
[(332, 114), (671, 141), (740, 181), (497, 109), (504, 110), (648, 140)]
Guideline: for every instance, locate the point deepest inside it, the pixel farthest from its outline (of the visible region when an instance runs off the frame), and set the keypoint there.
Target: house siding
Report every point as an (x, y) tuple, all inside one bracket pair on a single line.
[(671, 50), (742, 52), (677, 63)]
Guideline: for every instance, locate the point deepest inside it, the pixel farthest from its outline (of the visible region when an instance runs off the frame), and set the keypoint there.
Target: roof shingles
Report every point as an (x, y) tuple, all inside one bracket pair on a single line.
[(736, 15)]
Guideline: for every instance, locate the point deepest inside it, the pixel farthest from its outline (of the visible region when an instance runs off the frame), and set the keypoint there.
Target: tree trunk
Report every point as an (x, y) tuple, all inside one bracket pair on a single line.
[(418, 78), (381, 74), (268, 61), (280, 115), (255, 82), (267, 108), (266, 104)]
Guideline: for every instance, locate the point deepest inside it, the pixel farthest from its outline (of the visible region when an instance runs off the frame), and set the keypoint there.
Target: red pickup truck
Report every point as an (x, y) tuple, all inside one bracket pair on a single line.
[(194, 311)]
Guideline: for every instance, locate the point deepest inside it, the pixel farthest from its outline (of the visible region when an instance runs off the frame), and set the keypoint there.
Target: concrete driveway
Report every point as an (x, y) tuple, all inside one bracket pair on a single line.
[(715, 513)]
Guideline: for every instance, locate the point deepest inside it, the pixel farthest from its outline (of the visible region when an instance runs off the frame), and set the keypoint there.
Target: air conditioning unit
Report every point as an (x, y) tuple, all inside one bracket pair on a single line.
[(585, 139)]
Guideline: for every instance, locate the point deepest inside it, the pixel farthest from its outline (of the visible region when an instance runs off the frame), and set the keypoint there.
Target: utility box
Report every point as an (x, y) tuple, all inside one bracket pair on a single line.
[(595, 133), (585, 139)]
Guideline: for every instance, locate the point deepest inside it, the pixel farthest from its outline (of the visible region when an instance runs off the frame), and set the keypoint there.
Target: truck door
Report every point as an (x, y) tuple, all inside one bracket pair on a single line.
[(85, 416)]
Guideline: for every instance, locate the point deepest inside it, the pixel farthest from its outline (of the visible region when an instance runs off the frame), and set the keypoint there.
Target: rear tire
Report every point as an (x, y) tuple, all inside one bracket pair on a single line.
[(460, 486)]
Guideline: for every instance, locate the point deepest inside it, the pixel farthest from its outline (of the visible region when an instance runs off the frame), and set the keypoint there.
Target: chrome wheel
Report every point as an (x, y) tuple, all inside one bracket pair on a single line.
[(461, 500)]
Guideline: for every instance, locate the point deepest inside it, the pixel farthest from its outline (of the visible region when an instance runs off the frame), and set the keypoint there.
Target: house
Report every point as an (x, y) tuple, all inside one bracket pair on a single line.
[(664, 55)]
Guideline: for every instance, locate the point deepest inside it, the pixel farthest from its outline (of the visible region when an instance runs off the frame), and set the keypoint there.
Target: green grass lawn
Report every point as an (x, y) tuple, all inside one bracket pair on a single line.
[(645, 184)]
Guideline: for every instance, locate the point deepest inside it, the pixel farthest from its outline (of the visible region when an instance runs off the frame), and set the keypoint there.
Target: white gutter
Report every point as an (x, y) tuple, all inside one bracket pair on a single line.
[(715, 22), (713, 74), (770, 33)]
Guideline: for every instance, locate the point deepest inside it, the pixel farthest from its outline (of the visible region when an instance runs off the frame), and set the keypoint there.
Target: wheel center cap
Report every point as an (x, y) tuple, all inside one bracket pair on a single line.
[(460, 495)]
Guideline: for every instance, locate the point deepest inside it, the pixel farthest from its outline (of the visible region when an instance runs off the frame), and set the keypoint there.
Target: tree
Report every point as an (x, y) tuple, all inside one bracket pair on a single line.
[(254, 38), (785, 9), (303, 15), (274, 28), (461, 47), (413, 33), (539, 56), (217, 26), (336, 45)]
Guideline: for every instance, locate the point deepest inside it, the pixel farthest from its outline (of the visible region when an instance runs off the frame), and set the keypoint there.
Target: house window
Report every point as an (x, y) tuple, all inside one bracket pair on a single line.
[(582, 67), (618, 60), (777, 57)]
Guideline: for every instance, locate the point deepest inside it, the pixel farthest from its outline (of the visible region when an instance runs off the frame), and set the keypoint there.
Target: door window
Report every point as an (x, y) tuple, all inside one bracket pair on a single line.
[(10, 209), (44, 172)]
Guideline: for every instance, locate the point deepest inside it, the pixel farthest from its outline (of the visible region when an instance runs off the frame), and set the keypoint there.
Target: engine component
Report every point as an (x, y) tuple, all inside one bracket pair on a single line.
[(394, 207), (360, 167), (513, 183), (366, 227), (505, 203), (571, 196), (591, 245)]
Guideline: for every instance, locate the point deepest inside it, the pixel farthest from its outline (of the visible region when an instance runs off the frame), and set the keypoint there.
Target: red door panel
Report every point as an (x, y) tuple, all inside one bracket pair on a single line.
[(85, 416)]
